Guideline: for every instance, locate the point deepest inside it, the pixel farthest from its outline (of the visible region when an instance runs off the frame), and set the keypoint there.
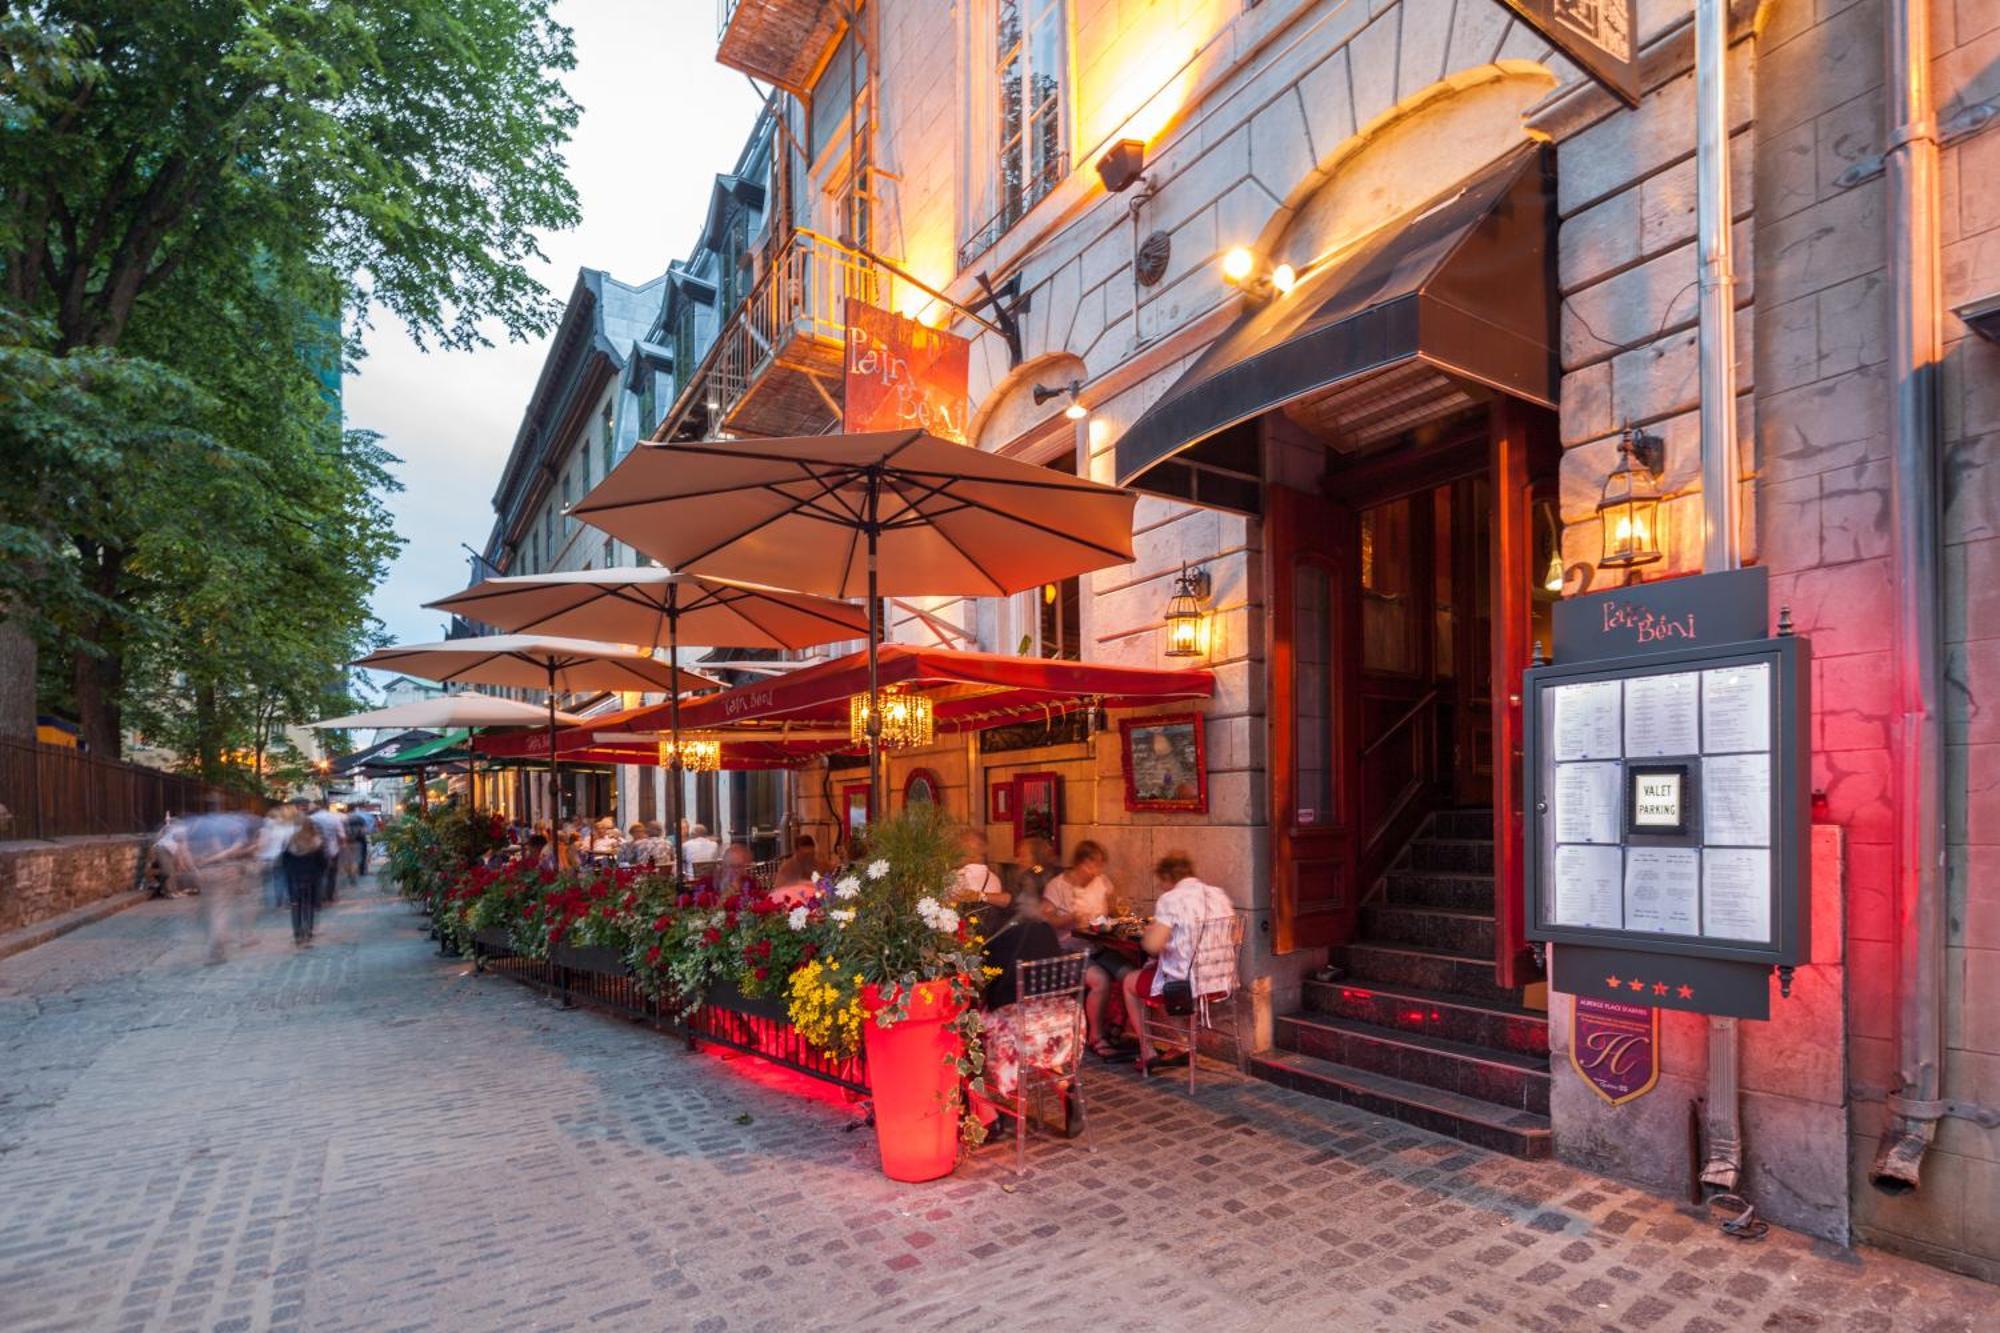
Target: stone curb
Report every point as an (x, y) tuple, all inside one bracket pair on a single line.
[(27, 937)]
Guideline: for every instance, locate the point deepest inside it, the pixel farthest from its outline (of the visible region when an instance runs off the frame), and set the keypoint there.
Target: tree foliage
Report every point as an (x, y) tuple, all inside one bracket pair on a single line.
[(200, 201)]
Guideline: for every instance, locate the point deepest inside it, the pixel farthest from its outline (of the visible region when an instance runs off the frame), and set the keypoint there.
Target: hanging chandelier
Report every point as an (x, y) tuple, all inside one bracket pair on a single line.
[(693, 754), (907, 720)]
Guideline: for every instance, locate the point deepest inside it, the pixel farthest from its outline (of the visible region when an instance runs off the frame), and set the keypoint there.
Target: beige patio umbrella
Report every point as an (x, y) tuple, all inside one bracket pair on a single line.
[(527, 661), (447, 712), (894, 513), (657, 606)]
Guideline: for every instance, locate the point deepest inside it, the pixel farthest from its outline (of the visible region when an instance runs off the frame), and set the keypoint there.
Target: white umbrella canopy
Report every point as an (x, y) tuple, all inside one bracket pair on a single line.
[(537, 662), (449, 712), (645, 604), (947, 520)]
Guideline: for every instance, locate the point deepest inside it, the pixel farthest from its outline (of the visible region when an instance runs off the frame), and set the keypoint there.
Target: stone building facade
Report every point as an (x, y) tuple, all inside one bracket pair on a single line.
[(1312, 135)]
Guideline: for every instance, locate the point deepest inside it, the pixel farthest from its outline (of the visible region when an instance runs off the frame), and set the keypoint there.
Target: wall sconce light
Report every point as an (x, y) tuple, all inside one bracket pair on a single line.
[(1121, 165), (1076, 411), (1554, 576), (1629, 508), (1239, 267), (1186, 621)]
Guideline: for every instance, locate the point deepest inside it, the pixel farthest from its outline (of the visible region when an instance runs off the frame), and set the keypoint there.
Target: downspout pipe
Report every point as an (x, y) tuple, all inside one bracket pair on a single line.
[(1910, 178), (1720, 471)]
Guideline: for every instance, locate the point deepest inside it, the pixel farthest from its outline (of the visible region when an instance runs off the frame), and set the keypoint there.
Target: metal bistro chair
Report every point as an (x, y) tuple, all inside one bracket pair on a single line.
[(1045, 980), (1212, 975)]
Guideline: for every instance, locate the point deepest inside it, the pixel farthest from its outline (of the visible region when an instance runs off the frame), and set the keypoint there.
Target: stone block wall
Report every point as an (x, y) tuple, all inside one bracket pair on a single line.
[(41, 880)]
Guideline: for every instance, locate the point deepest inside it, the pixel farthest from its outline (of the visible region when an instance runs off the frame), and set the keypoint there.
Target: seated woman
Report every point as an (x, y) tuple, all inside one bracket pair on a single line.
[(1034, 1033), (1077, 897), (1184, 904), (976, 882), (794, 885)]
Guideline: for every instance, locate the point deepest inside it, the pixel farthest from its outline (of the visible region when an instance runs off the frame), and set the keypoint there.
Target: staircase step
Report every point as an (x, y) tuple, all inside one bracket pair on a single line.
[(1426, 969), (1517, 1082), (1462, 855), (1462, 824), (1459, 932), (1505, 1027), (1517, 1133), (1426, 888)]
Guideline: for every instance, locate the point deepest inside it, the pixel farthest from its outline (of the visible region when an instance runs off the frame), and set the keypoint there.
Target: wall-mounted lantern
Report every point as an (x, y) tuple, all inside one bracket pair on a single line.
[(1629, 509), (1187, 617), (1121, 165)]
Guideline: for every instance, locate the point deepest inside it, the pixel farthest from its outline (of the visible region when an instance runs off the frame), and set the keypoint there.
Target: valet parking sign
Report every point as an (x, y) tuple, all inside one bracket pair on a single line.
[(904, 375)]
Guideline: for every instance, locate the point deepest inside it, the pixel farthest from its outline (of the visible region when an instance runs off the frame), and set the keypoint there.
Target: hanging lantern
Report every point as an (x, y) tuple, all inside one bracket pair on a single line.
[(695, 754), (1629, 510), (907, 720), (1186, 622)]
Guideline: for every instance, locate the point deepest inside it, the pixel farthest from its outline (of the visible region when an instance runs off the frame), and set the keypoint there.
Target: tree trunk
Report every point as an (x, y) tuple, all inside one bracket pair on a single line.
[(99, 679), (207, 733), (17, 680)]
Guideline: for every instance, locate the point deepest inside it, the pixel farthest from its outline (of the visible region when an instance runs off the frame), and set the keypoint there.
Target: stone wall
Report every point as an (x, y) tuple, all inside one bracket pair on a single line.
[(40, 880)]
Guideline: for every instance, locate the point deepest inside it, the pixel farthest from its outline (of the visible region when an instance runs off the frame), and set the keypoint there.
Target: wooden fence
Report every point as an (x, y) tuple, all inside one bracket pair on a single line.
[(51, 791)]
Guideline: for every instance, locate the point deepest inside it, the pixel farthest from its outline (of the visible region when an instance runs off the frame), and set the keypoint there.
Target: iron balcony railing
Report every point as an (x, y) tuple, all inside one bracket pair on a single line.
[(1019, 200)]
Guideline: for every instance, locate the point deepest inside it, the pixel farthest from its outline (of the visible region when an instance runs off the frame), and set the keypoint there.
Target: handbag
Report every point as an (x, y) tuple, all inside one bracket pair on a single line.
[(1177, 997)]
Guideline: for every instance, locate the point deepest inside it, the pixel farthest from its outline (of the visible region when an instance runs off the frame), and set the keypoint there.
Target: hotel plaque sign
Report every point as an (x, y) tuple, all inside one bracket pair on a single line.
[(1615, 1047), (1600, 35)]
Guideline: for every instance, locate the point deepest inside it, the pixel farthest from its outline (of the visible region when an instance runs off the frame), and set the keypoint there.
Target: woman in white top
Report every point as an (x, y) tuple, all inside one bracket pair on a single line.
[(1184, 905), (976, 881), (1079, 896)]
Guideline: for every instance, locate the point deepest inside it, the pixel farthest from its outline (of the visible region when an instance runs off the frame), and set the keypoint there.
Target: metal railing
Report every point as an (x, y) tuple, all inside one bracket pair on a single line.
[(803, 294), (1019, 200), (52, 791)]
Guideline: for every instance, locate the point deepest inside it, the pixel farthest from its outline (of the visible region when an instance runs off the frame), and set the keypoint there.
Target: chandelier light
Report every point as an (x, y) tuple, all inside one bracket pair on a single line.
[(694, 754), (907, 720)]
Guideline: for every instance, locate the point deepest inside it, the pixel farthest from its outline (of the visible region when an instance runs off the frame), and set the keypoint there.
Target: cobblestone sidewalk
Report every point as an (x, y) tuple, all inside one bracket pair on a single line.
[(365, 1136)]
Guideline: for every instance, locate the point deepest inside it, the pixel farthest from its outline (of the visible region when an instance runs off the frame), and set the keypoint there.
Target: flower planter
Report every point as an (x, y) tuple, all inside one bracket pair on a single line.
[(595, 958), (913, 1077), (493, 940)]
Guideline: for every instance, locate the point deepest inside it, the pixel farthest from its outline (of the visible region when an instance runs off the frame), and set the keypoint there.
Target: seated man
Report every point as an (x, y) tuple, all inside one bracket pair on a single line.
[(1079, 896), (802, 866), (736, 874), (976, 881), (701, 849), (1185, 903), (795, 885), (1033, 1033)]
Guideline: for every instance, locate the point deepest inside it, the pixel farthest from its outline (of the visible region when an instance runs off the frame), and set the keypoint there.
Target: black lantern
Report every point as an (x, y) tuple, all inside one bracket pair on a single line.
[(1629, 510), (1186, 621), (1120, 168)]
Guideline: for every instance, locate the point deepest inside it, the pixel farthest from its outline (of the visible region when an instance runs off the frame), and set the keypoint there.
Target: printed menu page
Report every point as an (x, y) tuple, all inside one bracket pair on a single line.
[(1589, 888), (1736, 708), (1736, 894), (1663, 890), (1736, 800), (1587, 802), (1587, 720), (1662, 714)]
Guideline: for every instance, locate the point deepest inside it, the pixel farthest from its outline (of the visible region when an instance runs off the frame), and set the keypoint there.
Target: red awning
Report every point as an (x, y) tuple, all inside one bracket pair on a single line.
[(528, 744), (970, 691)]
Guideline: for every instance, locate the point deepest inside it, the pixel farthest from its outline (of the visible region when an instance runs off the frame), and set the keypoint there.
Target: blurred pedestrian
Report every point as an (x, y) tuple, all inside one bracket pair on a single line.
[(219, 854), (333, 837), (304, 860)]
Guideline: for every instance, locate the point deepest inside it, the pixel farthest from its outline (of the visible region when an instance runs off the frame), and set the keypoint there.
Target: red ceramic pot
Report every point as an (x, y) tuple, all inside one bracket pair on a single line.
[(913, 1078)]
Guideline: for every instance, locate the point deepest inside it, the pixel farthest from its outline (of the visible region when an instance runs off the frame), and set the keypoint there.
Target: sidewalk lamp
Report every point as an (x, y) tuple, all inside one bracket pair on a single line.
[(1629, 510), (1186, 621)]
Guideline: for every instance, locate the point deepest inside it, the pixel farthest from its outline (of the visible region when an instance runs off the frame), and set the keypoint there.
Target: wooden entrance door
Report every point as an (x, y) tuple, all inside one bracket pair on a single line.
[(1313, 567)]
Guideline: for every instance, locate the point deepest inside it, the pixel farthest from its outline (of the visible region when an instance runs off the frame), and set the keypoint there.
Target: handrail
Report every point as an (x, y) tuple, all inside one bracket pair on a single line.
[(1424, 701)]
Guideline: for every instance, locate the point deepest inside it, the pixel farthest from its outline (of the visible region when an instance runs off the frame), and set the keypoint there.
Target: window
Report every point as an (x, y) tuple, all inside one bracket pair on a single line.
[(1028, 81), (649, 402), (610, 552), (608, 438), (1050, 618)]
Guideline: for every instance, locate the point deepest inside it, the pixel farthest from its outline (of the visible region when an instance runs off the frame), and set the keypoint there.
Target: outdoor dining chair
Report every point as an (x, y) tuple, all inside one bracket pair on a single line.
[(1048, 1017), (1212, 976)]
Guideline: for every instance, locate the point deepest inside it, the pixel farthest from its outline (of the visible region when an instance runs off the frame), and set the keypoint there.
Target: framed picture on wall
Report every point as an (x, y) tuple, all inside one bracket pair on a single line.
[(1165, 761), (855, 815), (922, 788), (1038, 808), (1000, 801)]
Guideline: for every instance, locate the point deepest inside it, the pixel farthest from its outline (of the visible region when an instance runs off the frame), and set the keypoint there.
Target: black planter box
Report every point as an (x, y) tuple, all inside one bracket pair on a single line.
[(598, 958), (494, 939)]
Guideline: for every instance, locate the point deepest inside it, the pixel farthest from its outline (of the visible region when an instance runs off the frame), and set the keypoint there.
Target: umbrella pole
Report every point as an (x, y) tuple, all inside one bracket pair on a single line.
[(874, 630), (674, 778), (555, 788)]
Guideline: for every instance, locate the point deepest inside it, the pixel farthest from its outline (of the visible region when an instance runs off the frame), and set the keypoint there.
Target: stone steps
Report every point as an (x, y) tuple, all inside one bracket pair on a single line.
[(1449, 930), (1518, 1082), (1516, 1133), (1436, 888), (1501, 1027)]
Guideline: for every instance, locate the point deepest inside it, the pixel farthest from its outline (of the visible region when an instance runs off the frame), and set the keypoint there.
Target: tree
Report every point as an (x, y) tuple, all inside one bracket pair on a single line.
[(163, 160)]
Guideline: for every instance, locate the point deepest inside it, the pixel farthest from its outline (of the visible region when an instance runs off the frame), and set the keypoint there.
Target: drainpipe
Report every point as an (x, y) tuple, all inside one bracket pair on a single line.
[(1719, 471), (1910, 174)]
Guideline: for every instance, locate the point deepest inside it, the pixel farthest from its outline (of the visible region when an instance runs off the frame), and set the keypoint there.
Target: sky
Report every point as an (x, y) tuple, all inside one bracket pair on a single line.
[(659, 119)]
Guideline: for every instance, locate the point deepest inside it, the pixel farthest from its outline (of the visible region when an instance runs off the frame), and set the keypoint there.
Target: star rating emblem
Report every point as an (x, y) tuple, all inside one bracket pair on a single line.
[(1659, 988), (1636, 984), (1687, 992), (1613, 982)]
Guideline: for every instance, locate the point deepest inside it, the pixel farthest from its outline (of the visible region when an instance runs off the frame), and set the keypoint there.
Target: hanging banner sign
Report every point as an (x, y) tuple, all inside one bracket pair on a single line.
[(1600, 35), (904, 375), (1615, 1047)]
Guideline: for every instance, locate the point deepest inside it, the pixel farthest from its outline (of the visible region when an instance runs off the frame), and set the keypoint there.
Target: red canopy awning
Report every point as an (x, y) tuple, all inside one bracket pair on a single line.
[(970, 691), (526, 744)]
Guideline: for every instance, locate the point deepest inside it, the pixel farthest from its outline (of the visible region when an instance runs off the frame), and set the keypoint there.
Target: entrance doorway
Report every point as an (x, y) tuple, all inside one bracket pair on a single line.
[(1402, 608)]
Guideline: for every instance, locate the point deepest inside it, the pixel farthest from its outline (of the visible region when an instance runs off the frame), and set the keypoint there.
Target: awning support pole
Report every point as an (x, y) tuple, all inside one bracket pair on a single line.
[(555, 787), (674, 778), (874, 530), (1717, 361)]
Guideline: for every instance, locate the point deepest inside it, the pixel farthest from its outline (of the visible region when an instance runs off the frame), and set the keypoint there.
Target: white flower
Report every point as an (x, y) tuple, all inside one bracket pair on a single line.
[(877, 869), (947, 920), (847, 888), (842, 914), (936, 915), (797, 918)]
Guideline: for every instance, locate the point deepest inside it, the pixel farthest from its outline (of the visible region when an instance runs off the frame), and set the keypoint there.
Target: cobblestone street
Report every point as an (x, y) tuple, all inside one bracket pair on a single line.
[(366, 1135)]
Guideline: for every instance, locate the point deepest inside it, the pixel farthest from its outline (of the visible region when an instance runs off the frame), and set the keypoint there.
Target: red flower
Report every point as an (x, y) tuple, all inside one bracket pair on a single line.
[(661, 924), (761, 973), (711, 936), (653, 956), (809, 952), (684, 901)]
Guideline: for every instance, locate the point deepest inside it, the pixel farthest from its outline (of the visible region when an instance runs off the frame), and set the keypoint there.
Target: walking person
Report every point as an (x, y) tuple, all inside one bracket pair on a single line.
[(305, 864), (219, 850), (333, 839)]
